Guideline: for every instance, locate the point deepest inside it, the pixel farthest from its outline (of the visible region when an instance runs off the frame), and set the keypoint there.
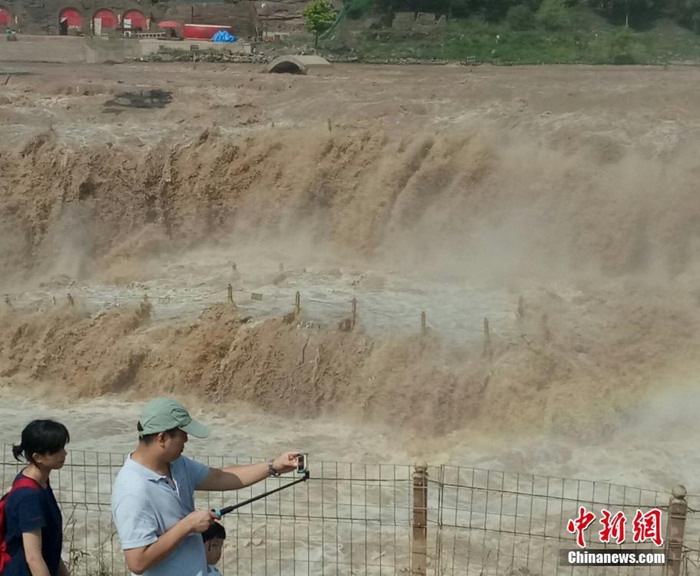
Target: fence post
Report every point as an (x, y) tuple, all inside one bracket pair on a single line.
[(297, 304), (354, 313), (521, 308), (488, 350), (677, 514), (423, 327), (419, 546), (545, 327)]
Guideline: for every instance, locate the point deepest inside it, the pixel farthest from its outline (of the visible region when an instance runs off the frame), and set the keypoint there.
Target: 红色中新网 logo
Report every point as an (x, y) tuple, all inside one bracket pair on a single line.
[(645, 527)]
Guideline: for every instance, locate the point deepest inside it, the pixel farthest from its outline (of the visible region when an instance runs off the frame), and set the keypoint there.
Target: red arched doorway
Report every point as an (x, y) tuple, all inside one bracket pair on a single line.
[(134, 19), (69, 19), (5, 17), (104, 19)]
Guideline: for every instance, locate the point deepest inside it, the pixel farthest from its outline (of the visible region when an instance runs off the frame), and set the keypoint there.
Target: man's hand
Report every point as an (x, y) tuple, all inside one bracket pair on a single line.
[(287, 462), (140, 560), (201, 520)]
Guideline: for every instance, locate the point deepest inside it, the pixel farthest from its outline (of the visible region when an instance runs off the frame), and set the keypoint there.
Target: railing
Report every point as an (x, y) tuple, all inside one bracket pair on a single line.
[(352, 518)]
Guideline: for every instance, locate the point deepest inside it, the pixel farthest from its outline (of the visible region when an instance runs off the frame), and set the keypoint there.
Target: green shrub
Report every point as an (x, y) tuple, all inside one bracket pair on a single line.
[(520, 17), (554, 15)]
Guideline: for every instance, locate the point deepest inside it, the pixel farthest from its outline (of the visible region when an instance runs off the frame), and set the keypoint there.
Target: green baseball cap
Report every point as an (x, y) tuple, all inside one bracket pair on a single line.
[(162, 414)]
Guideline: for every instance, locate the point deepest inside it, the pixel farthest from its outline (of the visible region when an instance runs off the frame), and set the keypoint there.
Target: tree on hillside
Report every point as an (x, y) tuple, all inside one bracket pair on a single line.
[(554, 15), (319, 16), (520, 17), (686, 12), (630, 10), (551, 15)]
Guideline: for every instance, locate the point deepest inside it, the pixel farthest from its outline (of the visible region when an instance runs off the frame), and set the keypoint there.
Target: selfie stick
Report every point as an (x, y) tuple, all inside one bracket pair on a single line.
[(259, 496)]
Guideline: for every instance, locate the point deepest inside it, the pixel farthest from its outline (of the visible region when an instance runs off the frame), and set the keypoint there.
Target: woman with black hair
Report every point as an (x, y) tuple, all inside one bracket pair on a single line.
[(33, 521)]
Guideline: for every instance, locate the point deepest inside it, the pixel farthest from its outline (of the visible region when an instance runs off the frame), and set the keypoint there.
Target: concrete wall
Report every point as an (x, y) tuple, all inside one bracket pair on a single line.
[(43, 49), (94, 50), (102, 49), (149, 46)]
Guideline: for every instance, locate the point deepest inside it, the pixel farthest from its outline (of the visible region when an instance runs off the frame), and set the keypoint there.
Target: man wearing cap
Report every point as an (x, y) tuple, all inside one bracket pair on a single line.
[(153, 494)]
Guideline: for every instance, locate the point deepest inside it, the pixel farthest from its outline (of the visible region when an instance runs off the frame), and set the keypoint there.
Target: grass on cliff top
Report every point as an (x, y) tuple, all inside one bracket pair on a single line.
[(591, 41)]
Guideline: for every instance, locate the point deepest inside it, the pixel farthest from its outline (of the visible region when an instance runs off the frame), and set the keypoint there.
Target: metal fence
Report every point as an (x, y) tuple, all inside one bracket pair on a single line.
[(357, 519)]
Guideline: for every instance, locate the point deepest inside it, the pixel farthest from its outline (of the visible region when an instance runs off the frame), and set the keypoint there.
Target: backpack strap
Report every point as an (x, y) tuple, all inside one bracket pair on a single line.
[(24, 482), (20, 482)]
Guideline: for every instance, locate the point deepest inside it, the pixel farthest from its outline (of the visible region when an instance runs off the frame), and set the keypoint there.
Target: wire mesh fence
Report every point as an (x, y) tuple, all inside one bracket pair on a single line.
[(348, 519), (351, 518), (492, 522)]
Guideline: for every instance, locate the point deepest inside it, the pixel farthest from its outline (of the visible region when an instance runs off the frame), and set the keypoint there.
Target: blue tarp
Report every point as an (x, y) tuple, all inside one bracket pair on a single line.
[(223, 36)]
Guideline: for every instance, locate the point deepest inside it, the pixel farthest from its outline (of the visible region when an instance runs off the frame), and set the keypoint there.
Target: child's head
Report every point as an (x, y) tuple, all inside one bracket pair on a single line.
[(214, 542)]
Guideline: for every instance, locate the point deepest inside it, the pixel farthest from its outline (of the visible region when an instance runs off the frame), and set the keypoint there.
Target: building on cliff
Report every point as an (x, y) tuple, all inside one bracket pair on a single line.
[(100, 17)]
